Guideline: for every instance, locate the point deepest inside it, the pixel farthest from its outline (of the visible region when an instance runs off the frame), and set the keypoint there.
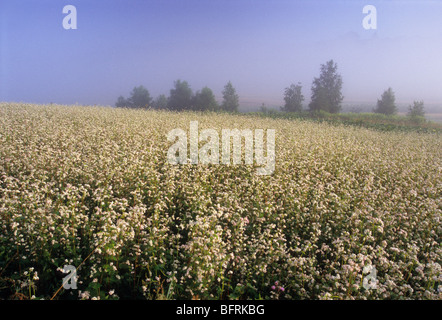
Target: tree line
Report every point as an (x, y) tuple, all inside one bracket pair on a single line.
[(182, 98), (326, 95)]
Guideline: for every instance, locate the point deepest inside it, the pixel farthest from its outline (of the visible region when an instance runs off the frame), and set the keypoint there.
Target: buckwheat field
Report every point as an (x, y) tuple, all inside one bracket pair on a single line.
[(91, 187)]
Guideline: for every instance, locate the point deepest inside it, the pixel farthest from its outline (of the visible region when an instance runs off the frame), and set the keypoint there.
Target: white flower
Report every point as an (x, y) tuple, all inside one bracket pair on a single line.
[(367, 269), (84, 295)]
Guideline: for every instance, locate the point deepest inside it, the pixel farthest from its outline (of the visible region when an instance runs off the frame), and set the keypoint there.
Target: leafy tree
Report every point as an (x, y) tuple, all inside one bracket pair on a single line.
[(160, 102), (122, 102), (293, 98), (180, 97), (321, 101), (230, 98), (140, 97), (386, 105), (326, 90), (205, 100), (417, 110)]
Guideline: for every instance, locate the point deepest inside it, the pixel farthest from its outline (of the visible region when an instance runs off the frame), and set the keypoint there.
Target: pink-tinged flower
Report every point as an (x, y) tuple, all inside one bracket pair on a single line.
[(282, 289), (273, 287), (276, 283)]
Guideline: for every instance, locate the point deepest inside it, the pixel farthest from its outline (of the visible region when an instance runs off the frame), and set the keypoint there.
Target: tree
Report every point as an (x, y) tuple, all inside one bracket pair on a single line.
[(122, 102), (417, 110), (326, 90), (160, 102), (293, 98), (140, 98), (386, 105), (230, 98), (204, 100), (180, 97)]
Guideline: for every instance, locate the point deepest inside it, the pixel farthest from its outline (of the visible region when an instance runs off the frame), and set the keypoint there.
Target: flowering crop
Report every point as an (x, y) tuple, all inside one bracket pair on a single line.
[(92, 187)]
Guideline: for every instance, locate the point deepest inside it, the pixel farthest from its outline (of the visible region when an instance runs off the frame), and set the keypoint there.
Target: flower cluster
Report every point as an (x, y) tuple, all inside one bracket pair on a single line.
[(277, 287)]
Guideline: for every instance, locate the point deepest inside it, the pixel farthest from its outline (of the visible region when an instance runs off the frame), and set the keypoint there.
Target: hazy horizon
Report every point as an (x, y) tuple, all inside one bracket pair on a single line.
[(260, 46)]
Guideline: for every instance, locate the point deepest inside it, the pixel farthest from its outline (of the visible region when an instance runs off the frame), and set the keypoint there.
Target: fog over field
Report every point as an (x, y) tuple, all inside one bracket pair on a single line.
[(260, 46)]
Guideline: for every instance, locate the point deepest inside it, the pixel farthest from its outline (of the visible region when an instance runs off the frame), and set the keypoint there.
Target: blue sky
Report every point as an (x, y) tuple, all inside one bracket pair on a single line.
[(261, 46)]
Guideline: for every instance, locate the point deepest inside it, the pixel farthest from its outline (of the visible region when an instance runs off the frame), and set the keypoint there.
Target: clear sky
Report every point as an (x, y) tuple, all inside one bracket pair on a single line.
[(261, 46)]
